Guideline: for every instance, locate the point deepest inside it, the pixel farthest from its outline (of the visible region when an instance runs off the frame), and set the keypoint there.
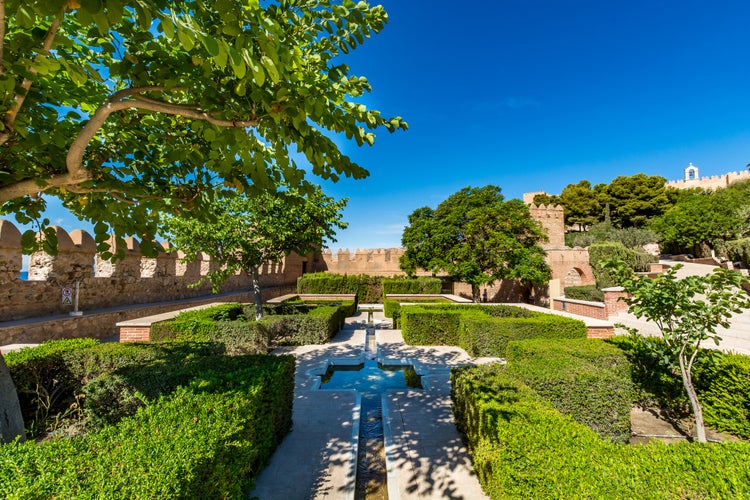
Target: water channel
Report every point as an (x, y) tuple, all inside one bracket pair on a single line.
[(371, 380)]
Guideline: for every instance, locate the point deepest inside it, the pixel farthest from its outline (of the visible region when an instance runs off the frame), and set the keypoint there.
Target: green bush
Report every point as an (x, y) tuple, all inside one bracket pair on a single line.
[(197, 325), (523, 448), (721, 380), (600, 252), (587, 379), (430, 327), (369, 289), (586, 292), (416, 286), (208, 439), (489, 336), (724, 391), (739, 251), (48, 378)]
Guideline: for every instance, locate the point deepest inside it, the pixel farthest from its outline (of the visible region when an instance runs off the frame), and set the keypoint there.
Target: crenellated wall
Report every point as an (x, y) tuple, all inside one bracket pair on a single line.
[(553, 220), (377, 262), (103, 284), (692, 180)]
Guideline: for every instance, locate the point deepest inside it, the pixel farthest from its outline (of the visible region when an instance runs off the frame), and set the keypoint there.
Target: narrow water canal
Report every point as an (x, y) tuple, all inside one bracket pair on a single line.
[(371, 380)]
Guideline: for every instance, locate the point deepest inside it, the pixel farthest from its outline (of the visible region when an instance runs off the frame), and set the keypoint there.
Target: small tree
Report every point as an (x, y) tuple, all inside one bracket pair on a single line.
[(687, 311), (478, 238), (251, 231)]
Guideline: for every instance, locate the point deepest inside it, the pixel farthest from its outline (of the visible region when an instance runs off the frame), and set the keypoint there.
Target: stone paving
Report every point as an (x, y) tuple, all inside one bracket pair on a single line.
[(425, 456)]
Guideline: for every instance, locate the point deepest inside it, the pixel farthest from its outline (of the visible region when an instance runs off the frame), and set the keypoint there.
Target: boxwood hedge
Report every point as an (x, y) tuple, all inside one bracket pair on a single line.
[(524, 448)]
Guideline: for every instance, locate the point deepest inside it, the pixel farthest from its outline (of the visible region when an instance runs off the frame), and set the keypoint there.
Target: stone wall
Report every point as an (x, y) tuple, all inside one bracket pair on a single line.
[(710, 182), (103, 284), (553, 220)]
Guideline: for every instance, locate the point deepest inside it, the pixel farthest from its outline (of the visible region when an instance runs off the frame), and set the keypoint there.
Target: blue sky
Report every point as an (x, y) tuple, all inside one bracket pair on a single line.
[(534, 95)]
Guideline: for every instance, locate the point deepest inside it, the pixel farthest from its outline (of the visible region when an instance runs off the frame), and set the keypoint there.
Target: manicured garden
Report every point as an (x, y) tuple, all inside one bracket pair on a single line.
[(196, 414), (554, 421)]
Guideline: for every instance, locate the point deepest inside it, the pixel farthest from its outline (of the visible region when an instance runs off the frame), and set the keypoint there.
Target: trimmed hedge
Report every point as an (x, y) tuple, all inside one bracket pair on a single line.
[(587, 379), (483, 336), (47, 379), (405, 284), (482, 330), (316, 326), (585, 292), (523, 448), (369, 289), (420, 326), (208, 439)]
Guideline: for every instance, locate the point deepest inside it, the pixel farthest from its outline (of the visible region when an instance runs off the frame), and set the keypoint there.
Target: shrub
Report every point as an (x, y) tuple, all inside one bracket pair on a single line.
[(600, 252), (524, 448), (430, 327), (208, 439), (369, 289), (739, 251), (489, 336), (48, 377), (197, 325), (721, 380), (407, 285), (587, 379), (586, 292)]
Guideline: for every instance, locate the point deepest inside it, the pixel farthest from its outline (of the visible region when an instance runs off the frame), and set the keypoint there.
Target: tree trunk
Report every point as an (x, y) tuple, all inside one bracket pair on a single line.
[(11, 420), (475, 293), (687, 382), (256, 291)]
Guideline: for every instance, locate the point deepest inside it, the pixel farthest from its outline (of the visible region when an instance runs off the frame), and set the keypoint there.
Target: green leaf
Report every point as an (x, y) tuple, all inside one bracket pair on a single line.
[(186, 38), (93, 6), (273, 73), (212, 46), (25, 17), (221, 58), (238, 65), (258, 74)]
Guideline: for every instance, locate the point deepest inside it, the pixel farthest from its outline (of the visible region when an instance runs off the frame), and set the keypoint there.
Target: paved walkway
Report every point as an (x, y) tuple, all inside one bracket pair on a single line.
[(425, 456)]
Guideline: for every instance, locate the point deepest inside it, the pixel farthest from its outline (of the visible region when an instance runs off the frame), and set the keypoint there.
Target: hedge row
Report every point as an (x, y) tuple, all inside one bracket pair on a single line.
[(416, 285), (392, 307), (243, 336), (369, 289), (524, 448), (721, 379), (482, 330), (585, 292), (207, 439), (586, 379)]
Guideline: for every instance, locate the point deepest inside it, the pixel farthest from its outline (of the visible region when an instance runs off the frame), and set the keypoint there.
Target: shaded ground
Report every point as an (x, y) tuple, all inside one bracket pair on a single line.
[(651, 423)]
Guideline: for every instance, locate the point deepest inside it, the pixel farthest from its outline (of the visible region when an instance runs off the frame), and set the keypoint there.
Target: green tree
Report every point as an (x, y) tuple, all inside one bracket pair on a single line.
[(249, 231), (125, 109), (582, 207), (703, 219), (636, 199), (687, 311), (477, 238)]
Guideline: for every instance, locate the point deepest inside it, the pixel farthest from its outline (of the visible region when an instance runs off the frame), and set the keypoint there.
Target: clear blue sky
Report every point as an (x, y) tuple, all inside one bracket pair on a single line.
[(537, 94)]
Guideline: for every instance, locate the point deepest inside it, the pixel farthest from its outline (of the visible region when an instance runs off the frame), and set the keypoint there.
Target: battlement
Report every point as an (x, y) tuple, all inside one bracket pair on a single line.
[(136, 279), (552, 219), (692, 180), (376, 262)]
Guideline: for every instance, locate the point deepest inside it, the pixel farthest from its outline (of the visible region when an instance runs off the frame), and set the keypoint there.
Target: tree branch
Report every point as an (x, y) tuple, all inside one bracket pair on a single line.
[(131, 98)]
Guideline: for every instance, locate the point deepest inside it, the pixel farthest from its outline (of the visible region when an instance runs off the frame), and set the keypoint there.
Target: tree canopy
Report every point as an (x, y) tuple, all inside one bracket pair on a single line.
[(125, 109), (477, 238), (249, 231), (702, 220)]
